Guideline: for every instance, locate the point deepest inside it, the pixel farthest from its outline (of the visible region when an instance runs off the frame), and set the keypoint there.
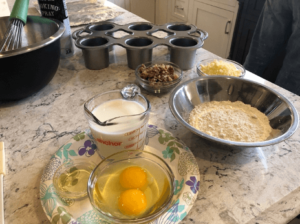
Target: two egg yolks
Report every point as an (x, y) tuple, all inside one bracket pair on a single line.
[(133, 201)]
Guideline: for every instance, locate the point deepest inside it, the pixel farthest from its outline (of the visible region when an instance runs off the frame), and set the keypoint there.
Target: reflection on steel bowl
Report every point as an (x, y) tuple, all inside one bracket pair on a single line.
[(279, 110)]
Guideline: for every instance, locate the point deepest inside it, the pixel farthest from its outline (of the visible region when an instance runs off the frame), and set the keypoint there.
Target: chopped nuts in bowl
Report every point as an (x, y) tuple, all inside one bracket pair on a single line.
[(158, 76)]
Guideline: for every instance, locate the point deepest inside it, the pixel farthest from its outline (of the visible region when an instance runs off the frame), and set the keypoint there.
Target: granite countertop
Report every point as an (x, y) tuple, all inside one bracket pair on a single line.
[(254, 185)]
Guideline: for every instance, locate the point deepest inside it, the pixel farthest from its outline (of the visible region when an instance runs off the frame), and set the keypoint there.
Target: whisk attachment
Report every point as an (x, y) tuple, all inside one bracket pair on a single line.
[(13, 36)]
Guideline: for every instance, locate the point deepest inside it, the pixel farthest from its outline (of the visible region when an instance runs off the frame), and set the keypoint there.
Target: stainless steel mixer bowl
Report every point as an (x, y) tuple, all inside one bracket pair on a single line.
[(279, 110), (37, 33), (28, 69)]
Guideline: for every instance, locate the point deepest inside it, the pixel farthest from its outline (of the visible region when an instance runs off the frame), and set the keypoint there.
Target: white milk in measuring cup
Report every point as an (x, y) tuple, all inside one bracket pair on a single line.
[(130, 129)]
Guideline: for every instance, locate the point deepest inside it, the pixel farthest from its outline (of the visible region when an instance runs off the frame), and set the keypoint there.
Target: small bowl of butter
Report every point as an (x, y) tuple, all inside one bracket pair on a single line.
[(220, 66), (71, 178)]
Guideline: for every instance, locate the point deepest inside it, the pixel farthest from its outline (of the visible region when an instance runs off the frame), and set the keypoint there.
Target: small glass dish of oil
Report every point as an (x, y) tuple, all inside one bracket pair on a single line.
[(131, 186), (71, 178)]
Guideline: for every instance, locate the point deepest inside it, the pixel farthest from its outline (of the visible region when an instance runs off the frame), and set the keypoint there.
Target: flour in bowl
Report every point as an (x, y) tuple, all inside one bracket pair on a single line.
[(234, 121)]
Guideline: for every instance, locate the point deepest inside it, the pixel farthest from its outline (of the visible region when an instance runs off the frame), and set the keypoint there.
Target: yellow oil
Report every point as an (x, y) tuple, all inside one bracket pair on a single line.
[(74, 182), (107, 189)]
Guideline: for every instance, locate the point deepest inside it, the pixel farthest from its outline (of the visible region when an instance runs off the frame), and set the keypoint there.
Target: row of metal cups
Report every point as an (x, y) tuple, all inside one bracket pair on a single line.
[(139, 43)]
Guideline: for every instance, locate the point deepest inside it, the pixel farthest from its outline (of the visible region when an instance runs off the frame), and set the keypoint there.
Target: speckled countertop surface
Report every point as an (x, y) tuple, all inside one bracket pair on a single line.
[(255, 185)]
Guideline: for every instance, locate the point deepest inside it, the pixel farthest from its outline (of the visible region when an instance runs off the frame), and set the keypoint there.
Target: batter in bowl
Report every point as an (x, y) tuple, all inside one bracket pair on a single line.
[(233, 121)]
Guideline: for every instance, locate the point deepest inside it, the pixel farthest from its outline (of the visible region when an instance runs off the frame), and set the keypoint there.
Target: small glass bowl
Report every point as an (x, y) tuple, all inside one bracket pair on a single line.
[(134, 157), (68, 174), (158, 87), (207, 61)]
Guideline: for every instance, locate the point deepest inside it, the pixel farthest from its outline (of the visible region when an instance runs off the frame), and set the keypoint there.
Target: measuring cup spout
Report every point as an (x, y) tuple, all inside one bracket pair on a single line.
[(130, 91)]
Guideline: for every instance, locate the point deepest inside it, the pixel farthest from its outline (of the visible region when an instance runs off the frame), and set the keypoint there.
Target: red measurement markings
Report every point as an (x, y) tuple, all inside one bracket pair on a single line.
[(134, 131), (133, 137), (136, 136), (129, 146), (131, 132), (140, 133), (109, 142)]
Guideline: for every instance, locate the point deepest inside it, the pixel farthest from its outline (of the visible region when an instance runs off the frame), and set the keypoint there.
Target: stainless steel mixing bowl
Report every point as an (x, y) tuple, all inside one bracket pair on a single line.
[(28, 69), (279, 110)]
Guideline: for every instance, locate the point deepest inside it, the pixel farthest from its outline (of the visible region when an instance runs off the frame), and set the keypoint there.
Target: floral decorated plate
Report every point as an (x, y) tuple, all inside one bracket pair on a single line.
[(82, 147)]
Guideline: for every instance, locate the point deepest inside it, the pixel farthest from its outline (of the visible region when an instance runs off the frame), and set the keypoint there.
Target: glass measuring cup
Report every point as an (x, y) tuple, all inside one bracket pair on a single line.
[(122, 130)]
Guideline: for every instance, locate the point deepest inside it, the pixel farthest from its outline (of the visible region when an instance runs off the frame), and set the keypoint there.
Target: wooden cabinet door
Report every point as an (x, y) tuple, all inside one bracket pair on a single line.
[(144, 9), (218, 23), (179, 9), (161, 12), (227, 2), (120, 3)]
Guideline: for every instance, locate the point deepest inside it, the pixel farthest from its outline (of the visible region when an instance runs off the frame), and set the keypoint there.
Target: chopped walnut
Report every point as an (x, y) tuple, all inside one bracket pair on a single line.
[(158, 74)]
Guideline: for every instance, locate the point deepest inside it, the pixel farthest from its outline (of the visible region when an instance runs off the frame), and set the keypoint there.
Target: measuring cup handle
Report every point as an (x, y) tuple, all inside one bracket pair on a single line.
[(203, 34), (76, 34)]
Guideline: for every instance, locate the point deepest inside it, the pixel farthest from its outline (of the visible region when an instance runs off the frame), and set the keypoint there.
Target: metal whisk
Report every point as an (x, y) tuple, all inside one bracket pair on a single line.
[(13, 36)]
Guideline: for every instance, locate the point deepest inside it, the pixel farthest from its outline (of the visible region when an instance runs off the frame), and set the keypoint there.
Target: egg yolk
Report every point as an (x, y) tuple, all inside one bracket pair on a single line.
[(132, 202), (133, 177)]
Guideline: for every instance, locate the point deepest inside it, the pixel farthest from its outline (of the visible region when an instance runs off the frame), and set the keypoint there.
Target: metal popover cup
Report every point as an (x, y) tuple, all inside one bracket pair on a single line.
[(139, 51), (140, 27), (183, 51), (95, 51), (179, 27), (183, 48)]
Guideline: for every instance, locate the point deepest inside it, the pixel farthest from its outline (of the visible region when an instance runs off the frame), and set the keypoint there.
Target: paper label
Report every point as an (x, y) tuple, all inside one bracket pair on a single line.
[(54, 9)]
